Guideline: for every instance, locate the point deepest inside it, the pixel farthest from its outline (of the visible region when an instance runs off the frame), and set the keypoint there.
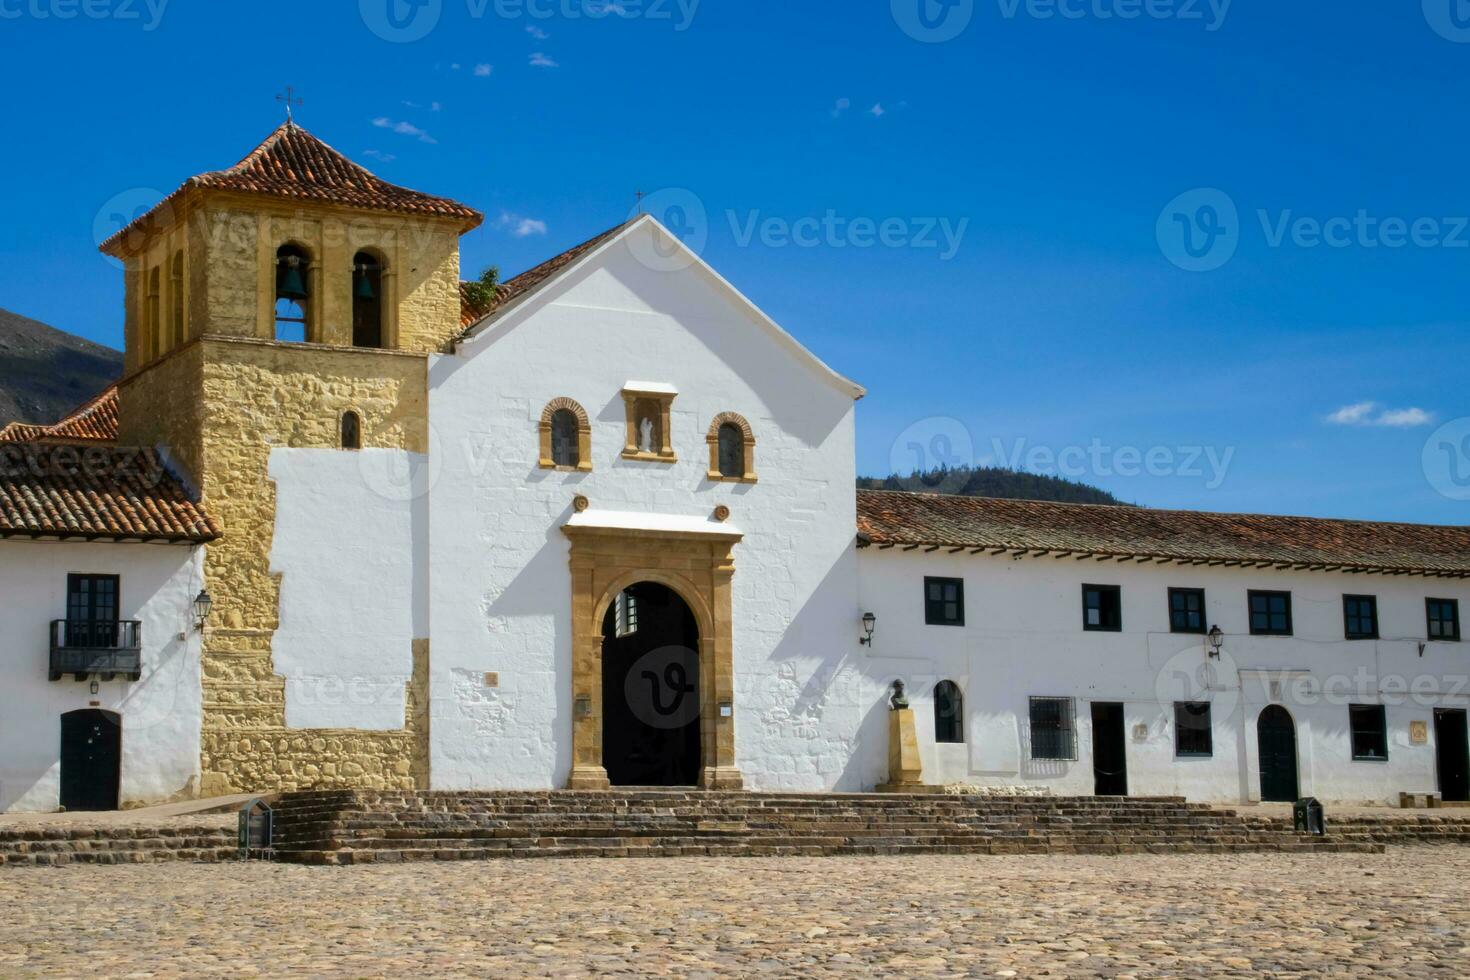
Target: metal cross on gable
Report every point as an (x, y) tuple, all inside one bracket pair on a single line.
[(290, 99)]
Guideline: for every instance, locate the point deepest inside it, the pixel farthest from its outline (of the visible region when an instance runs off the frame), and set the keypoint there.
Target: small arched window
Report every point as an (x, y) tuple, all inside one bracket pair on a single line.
[(176, 294), (351, 430), (731, 448), (949, 712), (367, 300), (293, 294), (154, 343), (564, 438)]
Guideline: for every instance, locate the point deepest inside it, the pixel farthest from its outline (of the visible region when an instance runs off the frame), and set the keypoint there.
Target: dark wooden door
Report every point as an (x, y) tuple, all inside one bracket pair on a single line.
[(1109, 752), (91, 759), (1276, 733), (1453, 754)]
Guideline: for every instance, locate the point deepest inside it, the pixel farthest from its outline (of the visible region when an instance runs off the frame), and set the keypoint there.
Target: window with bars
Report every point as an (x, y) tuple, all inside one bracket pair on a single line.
[(1053, 729), (949, 711), (1369, 732), (1270, 613), (1102, 608), (1360, 617), (625, 615), (944, 601), (1193, 734), (1444, 618), (1187, 610)]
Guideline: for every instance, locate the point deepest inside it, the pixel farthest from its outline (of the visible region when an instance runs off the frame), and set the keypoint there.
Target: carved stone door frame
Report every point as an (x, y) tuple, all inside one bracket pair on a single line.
[(698, 566)]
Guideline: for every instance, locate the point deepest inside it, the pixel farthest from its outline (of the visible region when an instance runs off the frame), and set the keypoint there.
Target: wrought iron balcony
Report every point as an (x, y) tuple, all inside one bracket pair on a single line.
[(84, 647)]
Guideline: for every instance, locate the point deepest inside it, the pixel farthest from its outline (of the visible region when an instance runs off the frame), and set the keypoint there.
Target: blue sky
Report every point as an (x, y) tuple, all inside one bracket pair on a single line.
[(1067, 147)]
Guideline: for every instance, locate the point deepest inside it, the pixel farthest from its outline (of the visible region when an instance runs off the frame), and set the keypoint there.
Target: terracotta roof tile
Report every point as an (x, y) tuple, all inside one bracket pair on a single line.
[(294, 164), (528, 281), (92, 491), (94, 421), (888, 518)]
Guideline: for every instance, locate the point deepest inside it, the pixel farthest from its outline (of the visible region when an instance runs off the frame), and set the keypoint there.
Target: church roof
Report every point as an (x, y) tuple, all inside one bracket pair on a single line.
[(78, 490), (94, 421), (294, 164), (891, 518), (528, 281)]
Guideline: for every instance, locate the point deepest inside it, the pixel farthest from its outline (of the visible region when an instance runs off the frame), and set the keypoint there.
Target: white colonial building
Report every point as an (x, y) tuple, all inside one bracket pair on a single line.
[(600, 528)]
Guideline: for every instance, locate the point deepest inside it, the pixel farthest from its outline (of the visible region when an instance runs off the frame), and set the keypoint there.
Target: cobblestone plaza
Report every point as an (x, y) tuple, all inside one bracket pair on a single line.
[(1400, 914)]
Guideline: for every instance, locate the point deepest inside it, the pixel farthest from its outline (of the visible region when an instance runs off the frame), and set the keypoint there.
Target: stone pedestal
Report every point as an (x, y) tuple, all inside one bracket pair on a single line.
[(905, 771)]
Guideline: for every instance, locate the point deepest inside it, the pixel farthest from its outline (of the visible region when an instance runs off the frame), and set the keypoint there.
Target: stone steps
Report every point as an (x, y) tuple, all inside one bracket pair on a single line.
[(115, 845), (344, 827)]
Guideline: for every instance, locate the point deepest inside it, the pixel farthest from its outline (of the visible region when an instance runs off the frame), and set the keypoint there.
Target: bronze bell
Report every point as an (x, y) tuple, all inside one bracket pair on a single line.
[(289, 284)]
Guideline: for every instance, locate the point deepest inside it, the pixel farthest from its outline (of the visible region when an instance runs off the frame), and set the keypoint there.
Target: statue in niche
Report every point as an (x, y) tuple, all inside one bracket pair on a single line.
[(645, 436)]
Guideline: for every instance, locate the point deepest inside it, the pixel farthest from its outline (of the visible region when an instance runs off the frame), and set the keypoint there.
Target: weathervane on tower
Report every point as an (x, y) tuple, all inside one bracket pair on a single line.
[(290, 99)]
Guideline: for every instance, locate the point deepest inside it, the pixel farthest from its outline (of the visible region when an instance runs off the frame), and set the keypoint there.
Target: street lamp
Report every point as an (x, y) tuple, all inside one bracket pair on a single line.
[(1217, 640), (869, 621), (202, 604)]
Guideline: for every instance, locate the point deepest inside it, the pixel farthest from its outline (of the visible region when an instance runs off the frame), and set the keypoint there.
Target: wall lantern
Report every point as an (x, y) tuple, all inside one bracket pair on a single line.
[(202, 605), (869, 621), (1217, 640)]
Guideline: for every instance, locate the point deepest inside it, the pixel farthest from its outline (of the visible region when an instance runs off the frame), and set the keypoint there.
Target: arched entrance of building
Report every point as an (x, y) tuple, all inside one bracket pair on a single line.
[(1276, 739), (650, 689), (91, 759)]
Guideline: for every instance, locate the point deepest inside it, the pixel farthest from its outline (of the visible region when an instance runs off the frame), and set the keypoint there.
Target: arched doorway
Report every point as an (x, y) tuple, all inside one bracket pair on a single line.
[(1276, 738), (91, 759), (650, 689)]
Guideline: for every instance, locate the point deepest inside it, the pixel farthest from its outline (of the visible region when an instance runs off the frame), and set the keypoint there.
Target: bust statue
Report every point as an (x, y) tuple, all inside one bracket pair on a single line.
[(898, 702), (645, 435)]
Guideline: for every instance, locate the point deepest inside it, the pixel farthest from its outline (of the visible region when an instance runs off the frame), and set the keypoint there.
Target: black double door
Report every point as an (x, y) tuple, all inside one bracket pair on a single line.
[(1109, 751), (1452, 754), (91, 759), (1276, 736)]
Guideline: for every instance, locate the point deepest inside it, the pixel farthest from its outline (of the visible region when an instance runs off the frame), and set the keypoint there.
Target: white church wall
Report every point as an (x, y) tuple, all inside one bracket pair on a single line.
[(161, 713), (350, 547), (1023, 637), (807, 715)]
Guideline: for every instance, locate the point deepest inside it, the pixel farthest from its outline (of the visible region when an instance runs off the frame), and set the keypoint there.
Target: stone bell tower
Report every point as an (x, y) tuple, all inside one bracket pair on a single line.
[(289, 301)]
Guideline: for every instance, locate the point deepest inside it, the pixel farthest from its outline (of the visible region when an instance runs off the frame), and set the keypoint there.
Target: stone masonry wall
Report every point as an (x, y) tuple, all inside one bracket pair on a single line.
[(259, 395)]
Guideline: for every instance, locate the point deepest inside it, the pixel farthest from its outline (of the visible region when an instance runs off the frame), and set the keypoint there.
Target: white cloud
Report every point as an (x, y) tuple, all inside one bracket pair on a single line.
[(519, 226), (840, 107), (483, 71), (454, 65), (536, 32), (540, 60), (1371, 413), (1405, 418), (379, 155), (404, 129), (877, 112)]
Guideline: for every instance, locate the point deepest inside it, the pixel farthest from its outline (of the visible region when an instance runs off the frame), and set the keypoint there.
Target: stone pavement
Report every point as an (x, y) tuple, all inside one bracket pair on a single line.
[(1400, 914)]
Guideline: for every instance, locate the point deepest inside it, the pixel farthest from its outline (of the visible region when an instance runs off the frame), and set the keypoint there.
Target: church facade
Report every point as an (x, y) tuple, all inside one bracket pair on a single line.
[(348, 521)]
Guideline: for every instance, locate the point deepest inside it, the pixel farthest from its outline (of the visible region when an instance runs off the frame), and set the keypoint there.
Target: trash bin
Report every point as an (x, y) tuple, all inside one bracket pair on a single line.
[(1309, 818)]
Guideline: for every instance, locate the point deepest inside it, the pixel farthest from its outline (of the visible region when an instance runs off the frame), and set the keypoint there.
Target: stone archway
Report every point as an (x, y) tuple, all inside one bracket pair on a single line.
[(698, 565)]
